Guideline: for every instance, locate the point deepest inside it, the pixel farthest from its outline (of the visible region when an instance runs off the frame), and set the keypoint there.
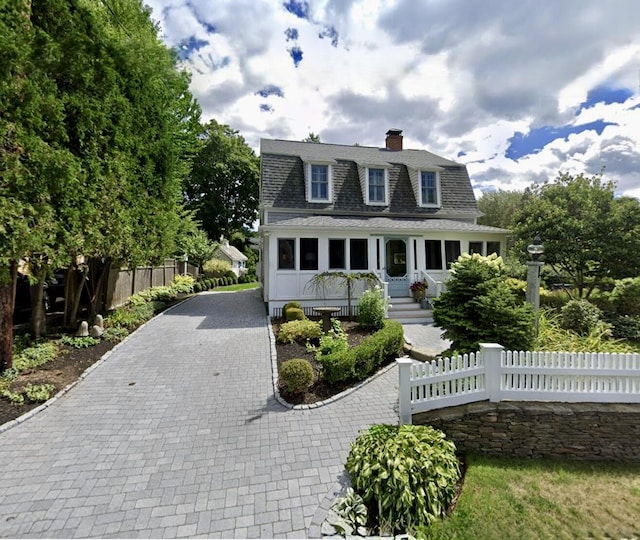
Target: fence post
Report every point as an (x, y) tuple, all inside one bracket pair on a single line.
[(404, 389), (491, 354)]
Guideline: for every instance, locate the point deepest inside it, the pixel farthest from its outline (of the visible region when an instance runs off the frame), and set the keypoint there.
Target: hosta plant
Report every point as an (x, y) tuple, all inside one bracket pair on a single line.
[(348, 515)]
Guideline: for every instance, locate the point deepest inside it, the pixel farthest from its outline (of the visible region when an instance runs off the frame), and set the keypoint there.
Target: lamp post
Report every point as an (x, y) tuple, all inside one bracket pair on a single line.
[(185, 260), (534, 268)]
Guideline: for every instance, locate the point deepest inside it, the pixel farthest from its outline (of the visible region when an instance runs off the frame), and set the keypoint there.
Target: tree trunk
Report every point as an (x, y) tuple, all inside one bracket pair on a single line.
[(74, 281), (7, 300), (98, 279), (38, 324)]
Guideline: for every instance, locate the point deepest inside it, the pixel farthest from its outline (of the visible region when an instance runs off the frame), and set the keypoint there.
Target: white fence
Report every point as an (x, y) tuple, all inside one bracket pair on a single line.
[(496, 375)]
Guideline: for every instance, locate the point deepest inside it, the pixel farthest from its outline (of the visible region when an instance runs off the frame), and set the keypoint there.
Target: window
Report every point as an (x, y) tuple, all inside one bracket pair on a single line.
[(336, 254), (319, 182), (377, 189), (308, 253), (493, 247), (433, 252), (359, 255), (475, 247), (451, 251), (428, 188), (286, 254)]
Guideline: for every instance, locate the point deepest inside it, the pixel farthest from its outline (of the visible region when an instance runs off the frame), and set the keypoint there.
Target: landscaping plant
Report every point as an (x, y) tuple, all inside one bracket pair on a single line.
[(296, 375), (371, 308), (300, 331), (406, 475), (348, 515), (581, 316)]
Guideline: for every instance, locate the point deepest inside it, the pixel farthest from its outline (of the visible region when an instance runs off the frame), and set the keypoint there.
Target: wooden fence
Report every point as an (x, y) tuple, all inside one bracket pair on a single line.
[(496, 375)]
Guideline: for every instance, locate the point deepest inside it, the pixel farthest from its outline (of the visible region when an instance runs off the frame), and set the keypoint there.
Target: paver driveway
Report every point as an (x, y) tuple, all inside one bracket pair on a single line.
[(178, 434)]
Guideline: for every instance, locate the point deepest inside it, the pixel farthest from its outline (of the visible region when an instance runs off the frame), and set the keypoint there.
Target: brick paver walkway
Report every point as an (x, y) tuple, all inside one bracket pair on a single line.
[(178, 434)]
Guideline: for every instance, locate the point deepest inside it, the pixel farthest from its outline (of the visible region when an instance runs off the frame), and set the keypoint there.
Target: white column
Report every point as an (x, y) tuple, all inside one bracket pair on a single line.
[(491, 358), (404, 389)]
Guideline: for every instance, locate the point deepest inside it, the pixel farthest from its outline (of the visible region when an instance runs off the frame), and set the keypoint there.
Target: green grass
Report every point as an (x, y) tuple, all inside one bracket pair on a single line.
[(540, 499), (238, 287)]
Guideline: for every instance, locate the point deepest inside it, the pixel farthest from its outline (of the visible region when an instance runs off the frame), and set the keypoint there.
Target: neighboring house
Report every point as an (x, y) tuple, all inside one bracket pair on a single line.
[(405, 215), (233, 256)]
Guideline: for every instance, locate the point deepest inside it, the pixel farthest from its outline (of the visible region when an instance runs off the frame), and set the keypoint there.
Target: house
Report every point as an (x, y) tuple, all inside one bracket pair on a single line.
[(404, 215), (233, 256)]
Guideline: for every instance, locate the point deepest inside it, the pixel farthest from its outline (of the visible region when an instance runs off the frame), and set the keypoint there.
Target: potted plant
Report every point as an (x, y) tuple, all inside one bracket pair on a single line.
[(418, 290)]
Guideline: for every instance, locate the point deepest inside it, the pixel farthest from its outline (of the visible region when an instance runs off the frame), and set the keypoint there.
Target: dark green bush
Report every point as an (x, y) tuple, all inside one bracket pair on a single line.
[(371, 308), (289, 305), (338, 366), (624, 326), (553, 299), (295, 314), (296, 375), (407, 475), (625, 296), (580, 316)]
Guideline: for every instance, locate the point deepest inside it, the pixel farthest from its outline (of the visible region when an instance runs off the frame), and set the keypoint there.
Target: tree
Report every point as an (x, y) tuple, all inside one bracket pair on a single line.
[(588, 233), (480, 306), (223, 186), (312, 137), (500, 208)]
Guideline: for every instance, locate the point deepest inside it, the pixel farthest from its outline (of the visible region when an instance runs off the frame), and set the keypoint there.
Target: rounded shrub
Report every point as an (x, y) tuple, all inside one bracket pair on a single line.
[(295, 314), (216, 268), (296, 375), (371, 308), (580, 316), (407, 474), (289, 305), (625, 296), (300, 331)]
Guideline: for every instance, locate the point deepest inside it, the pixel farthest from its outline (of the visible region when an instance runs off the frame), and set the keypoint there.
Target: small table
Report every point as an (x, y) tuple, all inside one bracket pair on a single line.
[(326, 313)]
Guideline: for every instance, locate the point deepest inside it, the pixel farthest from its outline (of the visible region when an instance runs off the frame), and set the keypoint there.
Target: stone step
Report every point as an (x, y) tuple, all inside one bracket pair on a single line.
[(408, 311)]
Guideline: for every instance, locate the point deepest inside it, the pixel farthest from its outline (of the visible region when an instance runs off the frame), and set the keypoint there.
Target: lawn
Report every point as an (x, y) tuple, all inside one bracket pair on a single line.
[(238, 287), (539, 499)]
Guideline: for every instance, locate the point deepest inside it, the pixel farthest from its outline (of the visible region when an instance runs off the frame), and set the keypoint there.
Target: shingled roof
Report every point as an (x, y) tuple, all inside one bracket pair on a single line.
[(283, 184)]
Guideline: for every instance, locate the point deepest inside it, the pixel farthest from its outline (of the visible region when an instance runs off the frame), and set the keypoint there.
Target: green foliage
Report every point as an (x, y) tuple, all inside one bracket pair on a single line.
[(39, 392), (14, 397), (552, 337), (341, 281), (288, 306), (296, 375), (500, 208), (197, 246), (35, 356), (115, 334), (371, 308), (338, 366), (408, 474), (480, 306), (554, 299), (223, 186), (295, 314), (348, 515), (216, 268), (624, 326), (580, 316), (300, 331), (130, 317), (625, 296), (79, 342), (182, 284), (589, 234)]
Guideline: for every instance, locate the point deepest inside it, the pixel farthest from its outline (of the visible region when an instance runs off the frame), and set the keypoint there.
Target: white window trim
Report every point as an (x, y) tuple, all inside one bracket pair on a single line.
[(308, 167), (386, 187), (423, 204)]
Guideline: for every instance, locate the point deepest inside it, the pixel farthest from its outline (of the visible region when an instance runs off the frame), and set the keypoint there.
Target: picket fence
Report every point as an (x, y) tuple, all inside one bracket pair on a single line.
[(496, 374)]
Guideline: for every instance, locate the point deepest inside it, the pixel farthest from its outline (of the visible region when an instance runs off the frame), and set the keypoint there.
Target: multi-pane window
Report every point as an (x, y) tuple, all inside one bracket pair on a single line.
[(308, 253), (337, 258), (377, 191), (493, 247), (451, 251), (475, 247), (433, 252), (359, 254), (286, 254), (428, 187), (319, 182)]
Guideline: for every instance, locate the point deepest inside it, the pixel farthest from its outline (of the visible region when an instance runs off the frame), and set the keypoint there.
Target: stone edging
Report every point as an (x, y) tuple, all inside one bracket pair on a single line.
[(12, 423), (332, 399)]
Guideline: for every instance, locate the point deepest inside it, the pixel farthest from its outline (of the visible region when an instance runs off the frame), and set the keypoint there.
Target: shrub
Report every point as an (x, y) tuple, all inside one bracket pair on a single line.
[(407, 474), (296, 375), (553, 299), (35, 356), (289, 305), (216, 268), (79, 342), (130, 317), (38, 392), (624, 326), (300, 331), (625, 296), (338, 366), (115, 334), (197, 287), (182, 284), (348, 515), (371, 308), (479, 305), (581, 316), (295, 314)]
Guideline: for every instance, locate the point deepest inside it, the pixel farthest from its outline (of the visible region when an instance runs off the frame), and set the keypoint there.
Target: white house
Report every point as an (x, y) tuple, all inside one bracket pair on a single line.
[(404, 215), (233, 256)]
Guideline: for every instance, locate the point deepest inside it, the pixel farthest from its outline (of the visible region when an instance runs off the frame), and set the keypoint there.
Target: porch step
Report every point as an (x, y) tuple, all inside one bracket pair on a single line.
[(408, 311)]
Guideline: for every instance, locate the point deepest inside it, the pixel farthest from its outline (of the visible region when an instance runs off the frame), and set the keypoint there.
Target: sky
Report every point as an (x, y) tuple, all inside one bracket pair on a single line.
[(519, 91)]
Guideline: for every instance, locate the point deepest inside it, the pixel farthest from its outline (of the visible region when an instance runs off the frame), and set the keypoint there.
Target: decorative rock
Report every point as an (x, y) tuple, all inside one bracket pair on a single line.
[(83, 331), (99, 322), (96, 331)]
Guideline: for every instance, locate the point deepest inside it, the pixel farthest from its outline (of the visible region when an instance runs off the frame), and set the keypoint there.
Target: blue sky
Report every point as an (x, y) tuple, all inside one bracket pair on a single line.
[(516, 90)]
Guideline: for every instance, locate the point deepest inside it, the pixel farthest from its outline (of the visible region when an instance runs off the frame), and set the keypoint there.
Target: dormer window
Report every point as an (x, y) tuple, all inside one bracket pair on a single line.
[(319, 182), (377, 186), (429, 189)]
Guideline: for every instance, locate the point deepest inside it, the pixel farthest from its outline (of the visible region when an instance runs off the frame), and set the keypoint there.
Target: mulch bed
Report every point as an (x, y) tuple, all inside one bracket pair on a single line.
[(320, 390)]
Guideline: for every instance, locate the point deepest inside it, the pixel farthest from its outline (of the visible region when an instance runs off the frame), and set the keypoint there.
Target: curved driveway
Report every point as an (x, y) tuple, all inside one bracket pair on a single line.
[(178, 434)]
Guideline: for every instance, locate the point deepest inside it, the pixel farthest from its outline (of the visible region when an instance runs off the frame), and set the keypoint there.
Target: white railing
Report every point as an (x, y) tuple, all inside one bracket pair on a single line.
[(435, 287), (496, 375)]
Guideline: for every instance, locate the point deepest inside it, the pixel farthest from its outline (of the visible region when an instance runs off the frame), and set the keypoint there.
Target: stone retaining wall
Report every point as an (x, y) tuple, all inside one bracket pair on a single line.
[(605, 431)]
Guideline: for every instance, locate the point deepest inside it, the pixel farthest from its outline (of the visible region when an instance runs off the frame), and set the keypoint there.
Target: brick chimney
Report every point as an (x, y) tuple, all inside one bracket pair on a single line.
[(394, 140)]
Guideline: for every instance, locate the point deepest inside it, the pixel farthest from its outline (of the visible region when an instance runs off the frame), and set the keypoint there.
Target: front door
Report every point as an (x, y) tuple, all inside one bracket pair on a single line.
[(396, 264)]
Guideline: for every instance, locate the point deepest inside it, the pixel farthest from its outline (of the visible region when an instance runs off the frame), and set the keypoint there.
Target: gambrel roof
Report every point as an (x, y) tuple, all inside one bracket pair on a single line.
[(283, 180)]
